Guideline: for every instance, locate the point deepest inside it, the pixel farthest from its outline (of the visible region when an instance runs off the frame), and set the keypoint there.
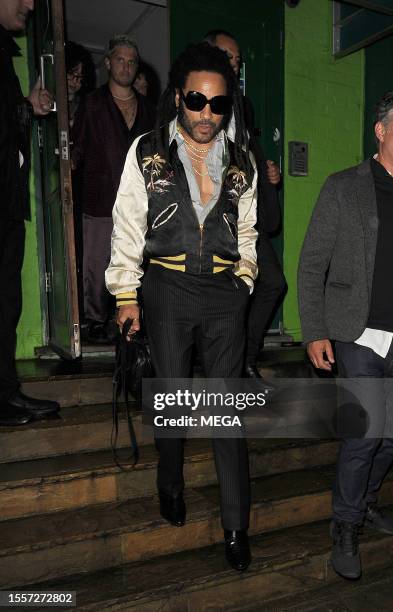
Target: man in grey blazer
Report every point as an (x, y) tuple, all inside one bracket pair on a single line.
[(345, 287)]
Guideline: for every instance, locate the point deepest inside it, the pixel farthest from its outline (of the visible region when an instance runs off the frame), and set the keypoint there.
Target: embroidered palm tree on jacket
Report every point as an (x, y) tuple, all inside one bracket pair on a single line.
[(236, 178), (154, 165)]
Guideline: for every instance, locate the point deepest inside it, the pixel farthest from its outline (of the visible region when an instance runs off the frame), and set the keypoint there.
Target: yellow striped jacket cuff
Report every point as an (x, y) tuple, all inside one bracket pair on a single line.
[(125, 299)]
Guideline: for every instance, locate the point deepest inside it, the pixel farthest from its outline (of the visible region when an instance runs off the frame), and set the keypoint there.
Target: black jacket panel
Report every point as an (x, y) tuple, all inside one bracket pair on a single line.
[(173, 226), (15, 120)]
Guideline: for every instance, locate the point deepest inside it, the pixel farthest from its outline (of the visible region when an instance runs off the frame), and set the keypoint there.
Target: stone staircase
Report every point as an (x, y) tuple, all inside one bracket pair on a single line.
[(71, 520)]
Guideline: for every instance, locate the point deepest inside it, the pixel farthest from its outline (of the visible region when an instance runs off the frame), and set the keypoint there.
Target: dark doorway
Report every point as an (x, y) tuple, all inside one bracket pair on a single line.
[(90, 23), (258, 27), (378, 79)]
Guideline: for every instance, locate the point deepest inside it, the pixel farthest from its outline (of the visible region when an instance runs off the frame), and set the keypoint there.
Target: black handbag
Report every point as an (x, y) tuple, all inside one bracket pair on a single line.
[(133, 363)]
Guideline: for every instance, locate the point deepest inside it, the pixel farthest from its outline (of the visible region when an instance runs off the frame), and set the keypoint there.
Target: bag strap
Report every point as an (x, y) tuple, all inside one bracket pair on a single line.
[(119, 384)]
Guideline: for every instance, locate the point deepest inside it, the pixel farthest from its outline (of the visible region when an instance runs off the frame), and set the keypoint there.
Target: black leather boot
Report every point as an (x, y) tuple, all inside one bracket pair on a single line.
[(11, 417), (36, 407), (251, 371), (345, 557), (237, 549), (173, 509)]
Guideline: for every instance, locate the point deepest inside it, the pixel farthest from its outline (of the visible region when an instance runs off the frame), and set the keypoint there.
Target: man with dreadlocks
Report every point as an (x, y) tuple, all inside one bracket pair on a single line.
[(187, 203)]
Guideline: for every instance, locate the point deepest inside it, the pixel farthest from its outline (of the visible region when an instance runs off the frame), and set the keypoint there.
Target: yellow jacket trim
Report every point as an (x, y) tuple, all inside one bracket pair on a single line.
[(219, 260), (179, 267), (129, 294), (181, 257), (125, 299)]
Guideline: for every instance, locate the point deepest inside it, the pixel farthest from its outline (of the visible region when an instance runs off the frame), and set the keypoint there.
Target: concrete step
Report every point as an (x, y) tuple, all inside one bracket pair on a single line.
[(80, 429), (73, 391), (372, 592), (86, 540), (79, 480), (290, 567), (71, 383), (89, 381), (296, 411)]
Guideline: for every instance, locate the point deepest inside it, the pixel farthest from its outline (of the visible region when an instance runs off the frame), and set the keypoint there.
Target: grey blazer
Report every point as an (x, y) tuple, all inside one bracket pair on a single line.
[(336, 265)]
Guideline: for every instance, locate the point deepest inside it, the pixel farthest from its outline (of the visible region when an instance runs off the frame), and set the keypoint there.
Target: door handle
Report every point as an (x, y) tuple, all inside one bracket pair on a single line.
[(43, 58), (276, 135)]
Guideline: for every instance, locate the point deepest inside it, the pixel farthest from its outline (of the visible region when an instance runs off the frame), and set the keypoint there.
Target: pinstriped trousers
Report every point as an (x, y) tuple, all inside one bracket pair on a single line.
[(208, 311)]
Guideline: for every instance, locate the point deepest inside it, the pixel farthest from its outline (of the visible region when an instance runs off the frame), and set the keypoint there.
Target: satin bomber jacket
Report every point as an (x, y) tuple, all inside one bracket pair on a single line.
[(154, 218)]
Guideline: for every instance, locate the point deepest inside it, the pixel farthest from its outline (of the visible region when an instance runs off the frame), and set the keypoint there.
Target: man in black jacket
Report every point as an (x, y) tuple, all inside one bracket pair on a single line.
[(187, 204), (15, 117), (271, 284)]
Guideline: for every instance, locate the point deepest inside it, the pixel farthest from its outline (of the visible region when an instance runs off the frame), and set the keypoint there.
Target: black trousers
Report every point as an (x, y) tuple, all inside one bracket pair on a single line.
[(364, 462), (12, 245), (269, 287), (183, 311), (97, 233)]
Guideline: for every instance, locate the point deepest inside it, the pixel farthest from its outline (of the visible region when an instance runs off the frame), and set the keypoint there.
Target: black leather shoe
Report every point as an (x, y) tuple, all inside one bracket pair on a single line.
[(237, 549), (10, 417), (36, 407), (173, 509), (250, 371), (378, 520), (345, 557)]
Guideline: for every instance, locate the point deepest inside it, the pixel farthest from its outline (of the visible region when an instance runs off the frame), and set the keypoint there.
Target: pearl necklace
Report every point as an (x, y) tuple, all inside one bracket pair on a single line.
[(193, 147), (123, 99), (198, 159), (188, 144), (195, 156), (199, 173)]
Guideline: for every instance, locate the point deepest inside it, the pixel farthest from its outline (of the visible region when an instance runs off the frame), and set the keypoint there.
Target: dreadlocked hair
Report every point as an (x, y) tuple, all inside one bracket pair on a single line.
[(197, 58)]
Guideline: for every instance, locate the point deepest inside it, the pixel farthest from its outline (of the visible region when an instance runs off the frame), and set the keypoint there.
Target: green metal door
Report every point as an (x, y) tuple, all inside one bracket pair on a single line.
[(258, 27), (61, 285)]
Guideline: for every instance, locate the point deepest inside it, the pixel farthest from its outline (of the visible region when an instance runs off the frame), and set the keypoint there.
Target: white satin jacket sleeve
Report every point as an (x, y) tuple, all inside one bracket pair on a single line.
[(247, 234), (129, 229)]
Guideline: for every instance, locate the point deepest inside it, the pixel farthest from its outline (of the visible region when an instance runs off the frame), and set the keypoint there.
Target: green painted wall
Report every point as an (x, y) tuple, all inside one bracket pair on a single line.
[(30, 327), (324, 104)]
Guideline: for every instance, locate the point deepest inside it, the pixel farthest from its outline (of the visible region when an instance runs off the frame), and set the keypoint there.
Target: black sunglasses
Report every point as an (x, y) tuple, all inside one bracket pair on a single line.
[(195, 101)]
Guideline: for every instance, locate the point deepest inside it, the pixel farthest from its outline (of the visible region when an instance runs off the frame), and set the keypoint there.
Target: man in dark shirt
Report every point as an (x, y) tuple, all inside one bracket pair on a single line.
[(15, 117), (105, 127), (346, 295)]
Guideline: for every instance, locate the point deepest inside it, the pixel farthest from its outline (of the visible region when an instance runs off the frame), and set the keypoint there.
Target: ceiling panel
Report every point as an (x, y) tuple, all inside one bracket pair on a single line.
[(92, 23)]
